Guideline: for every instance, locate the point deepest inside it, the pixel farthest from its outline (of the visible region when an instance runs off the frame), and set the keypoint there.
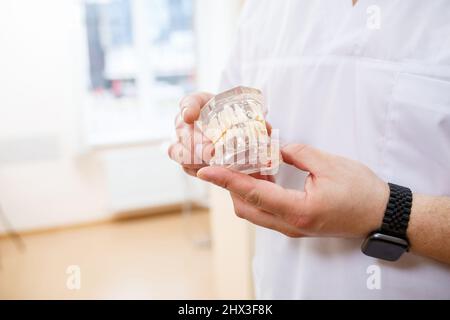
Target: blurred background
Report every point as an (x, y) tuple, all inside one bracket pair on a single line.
[(90, 205)]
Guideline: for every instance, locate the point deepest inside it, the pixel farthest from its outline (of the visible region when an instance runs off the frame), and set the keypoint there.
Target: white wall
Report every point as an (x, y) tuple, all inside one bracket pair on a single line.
[(43, 182), (144, 177), (46, 178)]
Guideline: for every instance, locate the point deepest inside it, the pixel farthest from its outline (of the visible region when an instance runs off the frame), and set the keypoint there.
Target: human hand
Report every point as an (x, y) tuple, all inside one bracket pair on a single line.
[(192, 150), (341, 198)]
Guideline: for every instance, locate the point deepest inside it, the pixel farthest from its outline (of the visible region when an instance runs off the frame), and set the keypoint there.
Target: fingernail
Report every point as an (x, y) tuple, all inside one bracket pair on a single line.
[(186, 103), (183, 111)]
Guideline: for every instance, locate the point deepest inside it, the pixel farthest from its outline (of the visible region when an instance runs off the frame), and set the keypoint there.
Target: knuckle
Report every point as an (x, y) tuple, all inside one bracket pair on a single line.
[(225, 183), (227, 180), (253, 197), (305, 222)]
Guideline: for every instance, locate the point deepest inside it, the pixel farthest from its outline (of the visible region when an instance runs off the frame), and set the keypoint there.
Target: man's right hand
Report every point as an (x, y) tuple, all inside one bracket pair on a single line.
[(192, 149)]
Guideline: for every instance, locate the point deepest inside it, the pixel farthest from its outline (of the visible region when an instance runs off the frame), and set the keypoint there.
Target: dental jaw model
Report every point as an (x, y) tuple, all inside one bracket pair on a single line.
[(234, 122)]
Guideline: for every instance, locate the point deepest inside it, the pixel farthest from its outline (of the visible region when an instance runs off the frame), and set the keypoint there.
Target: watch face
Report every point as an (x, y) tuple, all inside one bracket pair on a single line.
[(384, 247)]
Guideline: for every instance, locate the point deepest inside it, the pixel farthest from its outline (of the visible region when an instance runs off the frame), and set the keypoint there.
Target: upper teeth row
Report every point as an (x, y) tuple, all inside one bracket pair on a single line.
[(231, 116)]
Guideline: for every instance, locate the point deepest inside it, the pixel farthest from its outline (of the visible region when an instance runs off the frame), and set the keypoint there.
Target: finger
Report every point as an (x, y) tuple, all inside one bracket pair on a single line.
[(304, 157), (190, 137), (179, 122), (269, 128), (205, 151), (260, 193), (192, 104), (178, 153), (260, 176), (195, 141), (191, 172), (262, 218)]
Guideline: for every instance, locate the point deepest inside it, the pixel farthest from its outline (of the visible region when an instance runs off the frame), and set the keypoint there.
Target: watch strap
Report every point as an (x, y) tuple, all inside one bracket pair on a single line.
[(398, 210)]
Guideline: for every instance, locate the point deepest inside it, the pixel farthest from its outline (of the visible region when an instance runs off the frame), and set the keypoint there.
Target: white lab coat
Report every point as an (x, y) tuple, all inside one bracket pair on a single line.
[(371, 83)]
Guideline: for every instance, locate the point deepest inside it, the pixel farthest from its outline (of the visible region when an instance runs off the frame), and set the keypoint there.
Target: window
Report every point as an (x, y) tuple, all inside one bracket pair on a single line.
[(141, 61)]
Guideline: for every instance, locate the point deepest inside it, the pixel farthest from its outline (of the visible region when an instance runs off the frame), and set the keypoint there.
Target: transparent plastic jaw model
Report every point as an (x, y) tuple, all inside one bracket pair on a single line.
[(234, 122)]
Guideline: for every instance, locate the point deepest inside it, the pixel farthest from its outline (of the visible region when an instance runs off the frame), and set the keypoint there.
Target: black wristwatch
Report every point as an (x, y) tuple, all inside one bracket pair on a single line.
[(390, 241)]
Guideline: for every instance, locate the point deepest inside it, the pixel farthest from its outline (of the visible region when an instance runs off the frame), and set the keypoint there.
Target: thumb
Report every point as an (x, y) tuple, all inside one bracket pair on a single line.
[(304, 157)]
